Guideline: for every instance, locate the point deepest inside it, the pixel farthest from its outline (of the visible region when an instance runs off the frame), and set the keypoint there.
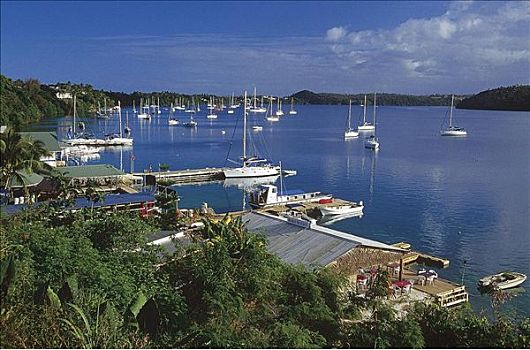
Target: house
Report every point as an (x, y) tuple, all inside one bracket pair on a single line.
[(51, 144)]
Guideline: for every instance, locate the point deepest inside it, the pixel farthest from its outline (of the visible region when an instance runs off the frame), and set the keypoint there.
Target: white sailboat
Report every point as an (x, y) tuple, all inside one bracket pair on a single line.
[(292, 111), (453, 130), (172, 121), (144, 111), (252, 166), (279, 111), (191, 124), (211, 114), (372, 142), (366, 126), (272, 117), (255, 108), (350, 133), (118, 139)]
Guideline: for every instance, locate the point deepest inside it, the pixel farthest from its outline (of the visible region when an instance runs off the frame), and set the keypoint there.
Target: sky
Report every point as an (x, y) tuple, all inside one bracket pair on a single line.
[(278, 47)]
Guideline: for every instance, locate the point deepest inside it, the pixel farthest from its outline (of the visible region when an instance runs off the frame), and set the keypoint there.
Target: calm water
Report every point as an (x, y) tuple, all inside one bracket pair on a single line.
[(459, 198)]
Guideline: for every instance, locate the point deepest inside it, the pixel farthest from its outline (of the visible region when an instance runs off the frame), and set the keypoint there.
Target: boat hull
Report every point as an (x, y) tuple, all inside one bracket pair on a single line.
[(499, 281), (253, 171), (350, 134), (341, 210), (366, 128), (453, 133)]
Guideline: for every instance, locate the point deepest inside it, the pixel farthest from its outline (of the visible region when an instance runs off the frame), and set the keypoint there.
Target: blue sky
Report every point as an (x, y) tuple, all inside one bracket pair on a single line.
[(280, 47)]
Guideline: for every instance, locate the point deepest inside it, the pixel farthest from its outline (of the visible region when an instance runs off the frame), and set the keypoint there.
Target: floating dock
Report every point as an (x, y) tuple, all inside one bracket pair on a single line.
[(421, 258), (443, 292), (185, 175)]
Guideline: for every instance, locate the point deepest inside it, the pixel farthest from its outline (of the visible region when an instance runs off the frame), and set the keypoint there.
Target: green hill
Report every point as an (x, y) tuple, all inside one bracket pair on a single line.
[(309, 97), (512, 98)]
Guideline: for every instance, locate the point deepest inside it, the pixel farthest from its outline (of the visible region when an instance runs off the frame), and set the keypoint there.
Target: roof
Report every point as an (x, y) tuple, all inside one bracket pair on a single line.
[(28, 180), (314, 246), (110, 200), (48, 138), (94, 170)]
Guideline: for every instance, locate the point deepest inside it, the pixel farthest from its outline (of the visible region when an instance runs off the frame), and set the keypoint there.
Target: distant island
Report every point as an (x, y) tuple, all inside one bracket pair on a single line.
[(29, 101), (383, 99), (511, 98)]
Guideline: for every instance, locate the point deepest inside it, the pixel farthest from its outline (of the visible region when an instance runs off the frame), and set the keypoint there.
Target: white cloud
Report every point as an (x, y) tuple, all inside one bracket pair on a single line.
[(335, 33), (473, 45)]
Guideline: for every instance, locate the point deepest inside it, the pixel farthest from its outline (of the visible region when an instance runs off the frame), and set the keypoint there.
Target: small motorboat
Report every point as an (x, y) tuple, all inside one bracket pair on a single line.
[(173, 122), (502, 280), (354, 208), (257, 128)]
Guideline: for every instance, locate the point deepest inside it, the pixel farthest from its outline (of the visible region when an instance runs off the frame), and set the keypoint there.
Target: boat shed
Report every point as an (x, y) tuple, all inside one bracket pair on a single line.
[(101, 174), (310, 245)]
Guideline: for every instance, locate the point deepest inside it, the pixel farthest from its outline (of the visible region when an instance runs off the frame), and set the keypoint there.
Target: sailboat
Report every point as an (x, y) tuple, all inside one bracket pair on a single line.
[(232, 105), (255, 108), (292, 111), (144, 111), (118, 139), (272, 117), (134, 107), (350, 133), (367, 126), (191, 124), (252, 166), (279, 111), (211, 114), (172, 121), (453, 130)]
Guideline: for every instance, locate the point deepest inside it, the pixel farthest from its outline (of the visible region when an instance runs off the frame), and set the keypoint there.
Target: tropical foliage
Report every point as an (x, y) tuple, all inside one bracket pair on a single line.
[(85, 280), (18, 155)]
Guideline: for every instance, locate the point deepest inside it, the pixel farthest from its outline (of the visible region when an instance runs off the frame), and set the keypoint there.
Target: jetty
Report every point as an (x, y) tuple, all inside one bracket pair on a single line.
[(183, 175)]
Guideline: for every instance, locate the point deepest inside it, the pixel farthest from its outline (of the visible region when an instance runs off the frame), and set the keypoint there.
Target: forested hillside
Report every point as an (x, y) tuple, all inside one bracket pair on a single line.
[(512, 98), (309, 97)]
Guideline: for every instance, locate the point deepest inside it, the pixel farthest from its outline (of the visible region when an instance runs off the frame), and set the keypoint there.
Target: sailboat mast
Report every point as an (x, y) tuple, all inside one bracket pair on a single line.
[(74, 115), (451, 111), (364, 114), (255, 97), (245, 129), (119, 109), (349, 117), (375, 102)]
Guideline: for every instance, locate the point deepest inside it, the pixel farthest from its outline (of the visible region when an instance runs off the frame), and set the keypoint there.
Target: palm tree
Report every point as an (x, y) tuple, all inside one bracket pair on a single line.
[(18, 154)]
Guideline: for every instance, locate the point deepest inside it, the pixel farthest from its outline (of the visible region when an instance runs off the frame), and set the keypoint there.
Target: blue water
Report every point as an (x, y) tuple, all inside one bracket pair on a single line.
[(466, 199)]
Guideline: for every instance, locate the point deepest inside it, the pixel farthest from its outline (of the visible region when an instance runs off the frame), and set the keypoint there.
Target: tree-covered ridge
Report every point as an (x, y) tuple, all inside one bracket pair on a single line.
[(29, 101), (309, 97), (511, 98), (90, 280)]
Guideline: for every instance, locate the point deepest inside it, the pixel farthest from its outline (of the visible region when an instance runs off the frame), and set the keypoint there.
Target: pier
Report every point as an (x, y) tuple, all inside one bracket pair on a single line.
[(183, 176)]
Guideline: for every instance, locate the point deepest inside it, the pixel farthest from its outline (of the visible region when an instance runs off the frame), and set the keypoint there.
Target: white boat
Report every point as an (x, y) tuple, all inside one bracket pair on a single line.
[(211, 106), (81, 150), (292, 111), (272, 117), (350, 133), (453, 130), (366, 126), (252, 166), (173, 122), (230, 111), (502, 280), (268, 195), (255, 108), (191, 124), (279, 111), (354, 208), (372, 142), (257, 128)]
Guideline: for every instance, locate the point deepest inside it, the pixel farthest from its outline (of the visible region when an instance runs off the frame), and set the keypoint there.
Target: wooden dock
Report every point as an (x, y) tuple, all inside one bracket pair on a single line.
[(444, 292), (185, 175), (421, 258)]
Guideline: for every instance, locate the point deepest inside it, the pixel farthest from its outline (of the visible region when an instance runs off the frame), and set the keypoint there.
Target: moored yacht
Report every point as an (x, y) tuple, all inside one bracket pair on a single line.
[(251, 166), (350, 133), (366, 126), (268, 195), (372, 142), (453, 130)]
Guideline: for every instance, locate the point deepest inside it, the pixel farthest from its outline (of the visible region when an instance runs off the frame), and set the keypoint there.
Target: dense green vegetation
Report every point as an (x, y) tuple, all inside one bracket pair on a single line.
[(87, 279), (309, 97), (512, 98)]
